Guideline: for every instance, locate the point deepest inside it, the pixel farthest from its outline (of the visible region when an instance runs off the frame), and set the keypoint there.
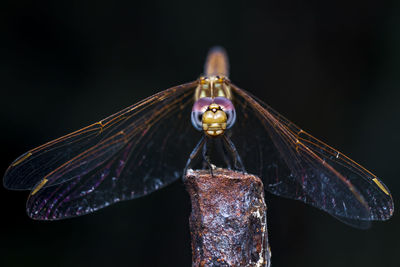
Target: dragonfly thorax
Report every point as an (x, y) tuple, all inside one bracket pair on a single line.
[(213, 86)]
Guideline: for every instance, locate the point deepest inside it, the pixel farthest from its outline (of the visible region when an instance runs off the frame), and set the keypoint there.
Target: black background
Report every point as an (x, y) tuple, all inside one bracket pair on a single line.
[(331, 67)]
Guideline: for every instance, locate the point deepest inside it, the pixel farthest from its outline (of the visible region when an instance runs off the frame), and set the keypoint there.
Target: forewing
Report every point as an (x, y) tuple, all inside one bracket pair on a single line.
[(295, 165), (93, 144), (136, 154)]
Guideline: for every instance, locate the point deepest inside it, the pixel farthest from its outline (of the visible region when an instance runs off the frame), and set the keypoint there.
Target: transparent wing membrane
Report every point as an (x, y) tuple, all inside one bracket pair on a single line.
[(124, 156), (295, 165)]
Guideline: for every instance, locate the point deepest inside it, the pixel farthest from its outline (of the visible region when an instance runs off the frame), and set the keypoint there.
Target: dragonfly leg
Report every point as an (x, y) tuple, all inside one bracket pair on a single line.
[(206, 159), (237, 160), (220, 147), (194, 154)]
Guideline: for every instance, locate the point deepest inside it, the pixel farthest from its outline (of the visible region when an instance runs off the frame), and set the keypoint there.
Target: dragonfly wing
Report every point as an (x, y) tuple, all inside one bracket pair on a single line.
[(295, 165), (135, 155), (50, 160)]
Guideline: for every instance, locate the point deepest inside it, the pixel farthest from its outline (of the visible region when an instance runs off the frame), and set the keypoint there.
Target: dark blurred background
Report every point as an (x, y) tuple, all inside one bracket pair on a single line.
[(332, 67)]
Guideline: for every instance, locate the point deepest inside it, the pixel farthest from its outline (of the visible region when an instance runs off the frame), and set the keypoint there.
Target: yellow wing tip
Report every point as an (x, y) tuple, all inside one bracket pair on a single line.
[(39, 186), (381, 186), (21, 159)]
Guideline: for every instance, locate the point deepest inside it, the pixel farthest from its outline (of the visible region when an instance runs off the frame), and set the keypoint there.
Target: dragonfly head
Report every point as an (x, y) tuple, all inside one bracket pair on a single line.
[(213, 115), (214, 120)]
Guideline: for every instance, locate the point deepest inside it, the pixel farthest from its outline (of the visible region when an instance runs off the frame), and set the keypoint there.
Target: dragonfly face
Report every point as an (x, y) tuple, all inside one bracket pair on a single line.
[(213, 115), (134, 152)]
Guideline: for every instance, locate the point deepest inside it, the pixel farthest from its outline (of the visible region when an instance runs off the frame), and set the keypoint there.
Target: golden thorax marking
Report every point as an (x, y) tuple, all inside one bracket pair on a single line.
[(213, 86)]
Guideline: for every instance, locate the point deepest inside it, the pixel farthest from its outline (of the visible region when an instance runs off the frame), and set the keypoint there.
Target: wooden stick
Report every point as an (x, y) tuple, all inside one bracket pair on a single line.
[(228, 221)]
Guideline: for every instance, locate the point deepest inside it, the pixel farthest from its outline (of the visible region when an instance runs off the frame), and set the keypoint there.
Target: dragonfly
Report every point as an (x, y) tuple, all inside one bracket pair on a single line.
[(154, 142)]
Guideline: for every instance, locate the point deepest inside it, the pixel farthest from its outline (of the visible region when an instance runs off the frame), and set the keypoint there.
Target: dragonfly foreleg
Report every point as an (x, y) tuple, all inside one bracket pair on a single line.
[(221, 151), (194, 154), (236, 158), (206, 158)]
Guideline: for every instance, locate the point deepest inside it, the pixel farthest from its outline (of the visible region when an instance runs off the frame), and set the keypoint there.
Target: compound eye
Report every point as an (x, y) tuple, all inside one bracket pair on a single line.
[(227, 106), (196, 120), (231, 118), (199, 107)]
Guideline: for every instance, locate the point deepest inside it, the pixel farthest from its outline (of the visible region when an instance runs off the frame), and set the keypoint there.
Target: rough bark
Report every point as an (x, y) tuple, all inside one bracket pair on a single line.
[(228, 221)]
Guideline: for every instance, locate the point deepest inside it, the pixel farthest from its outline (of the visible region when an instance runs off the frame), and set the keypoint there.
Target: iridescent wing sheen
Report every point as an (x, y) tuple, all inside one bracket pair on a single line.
[(124, 156), (295, 165)]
